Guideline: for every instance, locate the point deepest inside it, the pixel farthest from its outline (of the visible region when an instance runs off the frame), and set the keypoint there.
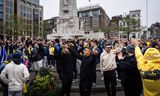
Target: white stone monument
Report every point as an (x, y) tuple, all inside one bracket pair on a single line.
[(68, 22)]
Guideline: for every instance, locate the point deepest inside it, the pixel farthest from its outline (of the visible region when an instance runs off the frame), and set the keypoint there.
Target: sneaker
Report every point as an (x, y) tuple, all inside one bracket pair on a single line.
[(74, 81), (94, 85), (52, 67), (119, 80), (102, 78)]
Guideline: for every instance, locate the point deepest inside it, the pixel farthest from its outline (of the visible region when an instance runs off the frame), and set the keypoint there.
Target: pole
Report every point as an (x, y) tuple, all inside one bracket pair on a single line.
[(147, 18)]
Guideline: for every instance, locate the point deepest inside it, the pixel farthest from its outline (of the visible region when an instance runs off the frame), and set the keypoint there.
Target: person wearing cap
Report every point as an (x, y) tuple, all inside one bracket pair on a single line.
[(108, 68), (149, 67), (130, 76), (15, 74)]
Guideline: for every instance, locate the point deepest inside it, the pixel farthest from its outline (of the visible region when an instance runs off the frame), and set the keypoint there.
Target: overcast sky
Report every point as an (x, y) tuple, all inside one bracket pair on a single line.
[(112, 8)]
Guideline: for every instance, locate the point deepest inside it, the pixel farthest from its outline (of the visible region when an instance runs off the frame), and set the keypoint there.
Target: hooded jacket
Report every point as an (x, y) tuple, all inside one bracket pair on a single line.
[(149, 67), (17, 75)]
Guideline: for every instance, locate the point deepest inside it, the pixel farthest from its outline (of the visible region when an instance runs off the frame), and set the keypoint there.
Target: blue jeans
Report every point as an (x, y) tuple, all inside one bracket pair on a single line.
[(2, 67), (14, 93)]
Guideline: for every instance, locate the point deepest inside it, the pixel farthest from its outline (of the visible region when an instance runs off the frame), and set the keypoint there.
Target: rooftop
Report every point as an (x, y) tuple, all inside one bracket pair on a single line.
[(135, 11), (91, 7)]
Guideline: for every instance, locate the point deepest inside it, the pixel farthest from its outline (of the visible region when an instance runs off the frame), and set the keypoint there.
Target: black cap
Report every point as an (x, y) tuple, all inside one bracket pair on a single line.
[(130, 48)]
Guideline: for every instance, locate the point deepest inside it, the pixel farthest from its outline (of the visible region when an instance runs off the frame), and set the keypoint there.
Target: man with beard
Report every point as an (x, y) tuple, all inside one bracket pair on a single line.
[(86, 71)]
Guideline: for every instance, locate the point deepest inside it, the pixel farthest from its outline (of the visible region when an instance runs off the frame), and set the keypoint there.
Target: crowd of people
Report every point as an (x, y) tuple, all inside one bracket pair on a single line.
[(135, 62)]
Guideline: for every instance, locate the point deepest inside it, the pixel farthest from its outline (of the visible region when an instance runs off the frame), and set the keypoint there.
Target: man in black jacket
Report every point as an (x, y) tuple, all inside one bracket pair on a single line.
[(131, 80), (86, 71), (65, 63)]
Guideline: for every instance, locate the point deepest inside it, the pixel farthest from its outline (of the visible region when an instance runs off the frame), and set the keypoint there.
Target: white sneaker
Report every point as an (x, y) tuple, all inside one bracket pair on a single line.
[(102, 78), (74, 81), (52, 67), (94, 85)]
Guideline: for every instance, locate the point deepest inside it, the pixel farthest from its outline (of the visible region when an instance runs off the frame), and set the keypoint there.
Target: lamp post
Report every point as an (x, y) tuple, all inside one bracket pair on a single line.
[(147, 18)]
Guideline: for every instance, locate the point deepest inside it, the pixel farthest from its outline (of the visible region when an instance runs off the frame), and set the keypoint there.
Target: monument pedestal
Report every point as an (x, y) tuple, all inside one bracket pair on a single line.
[(68, 22)]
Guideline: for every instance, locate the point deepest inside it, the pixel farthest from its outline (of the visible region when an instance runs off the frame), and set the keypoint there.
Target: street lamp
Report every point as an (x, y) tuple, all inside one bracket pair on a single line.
[(147, 18)]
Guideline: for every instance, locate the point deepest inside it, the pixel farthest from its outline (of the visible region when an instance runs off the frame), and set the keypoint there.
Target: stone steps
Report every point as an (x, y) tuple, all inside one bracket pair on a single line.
[(98, 88)]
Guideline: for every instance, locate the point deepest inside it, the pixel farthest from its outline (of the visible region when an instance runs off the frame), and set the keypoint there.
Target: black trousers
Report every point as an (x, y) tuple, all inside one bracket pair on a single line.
[(131, 90), (51, 60), (95, 74), (85, 88), (119, 71), (58, 67), (75, 71), (66, 86), (110, 82), (5, 89)]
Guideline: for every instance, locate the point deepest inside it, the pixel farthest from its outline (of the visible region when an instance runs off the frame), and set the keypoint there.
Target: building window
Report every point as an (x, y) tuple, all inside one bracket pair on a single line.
[(21, 13), (10, 11), (85, 14), (133, 15), (7, 10), (1, 15), (133, 35), (1, 8), (7, 16), (29, 10), (36, 2), (22, 2), (1, 2), (95, 13), (24, 8), (7, 4), (11, 4)]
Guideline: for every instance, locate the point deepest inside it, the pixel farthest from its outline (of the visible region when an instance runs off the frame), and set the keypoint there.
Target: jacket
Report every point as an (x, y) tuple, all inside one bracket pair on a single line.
[(65, 63), (108, 61), (87, 66), (130, 73), (17, 75), (149, 67)]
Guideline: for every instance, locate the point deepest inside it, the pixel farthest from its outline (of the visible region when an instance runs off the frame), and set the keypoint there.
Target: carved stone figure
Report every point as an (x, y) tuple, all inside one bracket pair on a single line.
[(68, 22), (65, 2)]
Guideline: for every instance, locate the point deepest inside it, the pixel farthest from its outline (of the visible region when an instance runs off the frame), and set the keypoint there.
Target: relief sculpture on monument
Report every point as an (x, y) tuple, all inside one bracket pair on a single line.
[(65, 6), (65, 2)]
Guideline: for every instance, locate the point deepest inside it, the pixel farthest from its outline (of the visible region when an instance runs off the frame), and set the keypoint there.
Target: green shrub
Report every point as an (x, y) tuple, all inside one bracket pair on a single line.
[(45, 84)]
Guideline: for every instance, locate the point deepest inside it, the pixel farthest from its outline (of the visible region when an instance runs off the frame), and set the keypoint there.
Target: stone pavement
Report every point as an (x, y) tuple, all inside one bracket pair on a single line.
[(119, 93), (99, 86), (98, 90)]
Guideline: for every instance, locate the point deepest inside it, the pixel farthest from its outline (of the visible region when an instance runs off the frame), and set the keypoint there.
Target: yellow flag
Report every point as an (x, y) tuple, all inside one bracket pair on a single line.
[(24, 88)]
